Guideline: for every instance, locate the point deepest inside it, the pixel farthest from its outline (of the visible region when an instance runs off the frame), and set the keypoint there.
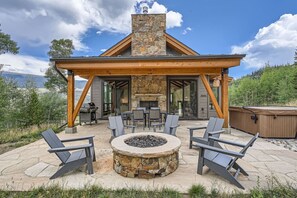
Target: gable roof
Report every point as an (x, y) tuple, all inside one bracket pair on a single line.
[(172, 42)]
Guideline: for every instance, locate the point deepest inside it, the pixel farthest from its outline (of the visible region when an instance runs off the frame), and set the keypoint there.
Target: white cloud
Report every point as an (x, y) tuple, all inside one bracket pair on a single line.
[(23, 64), (103, 50), (173, 19), (274, 44), (39, 22), (188, 29)]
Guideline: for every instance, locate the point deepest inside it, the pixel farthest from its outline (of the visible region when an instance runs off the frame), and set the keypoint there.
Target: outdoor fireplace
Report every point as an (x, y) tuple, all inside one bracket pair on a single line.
[(145, 155)]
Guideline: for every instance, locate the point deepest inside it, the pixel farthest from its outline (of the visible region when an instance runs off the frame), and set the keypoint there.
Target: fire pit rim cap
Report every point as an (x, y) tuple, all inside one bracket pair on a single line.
[(173, 144)]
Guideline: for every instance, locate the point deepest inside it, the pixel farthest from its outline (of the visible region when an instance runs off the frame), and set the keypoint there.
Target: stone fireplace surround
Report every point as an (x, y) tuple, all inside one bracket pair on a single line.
[(149, 88)]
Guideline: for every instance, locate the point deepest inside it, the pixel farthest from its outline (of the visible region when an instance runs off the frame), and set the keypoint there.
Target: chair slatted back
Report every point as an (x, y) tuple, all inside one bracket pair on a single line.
[(138, 114), (171, 120), (154, 114), (214, 124), (244, 149), (54, 142), (116, 122)]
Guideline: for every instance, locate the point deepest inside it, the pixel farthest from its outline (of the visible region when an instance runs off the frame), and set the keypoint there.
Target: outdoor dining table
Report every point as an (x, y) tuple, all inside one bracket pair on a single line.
[(146, 113)]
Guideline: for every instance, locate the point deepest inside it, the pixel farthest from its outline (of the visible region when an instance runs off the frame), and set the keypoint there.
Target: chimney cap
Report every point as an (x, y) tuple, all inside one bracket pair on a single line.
[(144, 9)]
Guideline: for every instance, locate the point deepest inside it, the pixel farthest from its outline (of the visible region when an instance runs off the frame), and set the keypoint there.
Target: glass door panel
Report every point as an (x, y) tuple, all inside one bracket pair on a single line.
[(176, 97), (183, 98), (115, 96)]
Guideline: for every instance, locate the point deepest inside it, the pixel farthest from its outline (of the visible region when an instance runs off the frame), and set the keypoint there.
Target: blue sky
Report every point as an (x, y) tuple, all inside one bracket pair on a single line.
[(265, 30)]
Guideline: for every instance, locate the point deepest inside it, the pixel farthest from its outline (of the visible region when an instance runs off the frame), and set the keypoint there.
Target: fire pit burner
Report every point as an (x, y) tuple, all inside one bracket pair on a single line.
[(145, 141)]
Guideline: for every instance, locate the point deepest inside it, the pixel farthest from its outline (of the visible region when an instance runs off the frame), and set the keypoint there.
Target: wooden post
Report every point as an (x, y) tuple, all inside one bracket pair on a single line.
[(82, 97), (224, 99), (212, 96), (70, 98)]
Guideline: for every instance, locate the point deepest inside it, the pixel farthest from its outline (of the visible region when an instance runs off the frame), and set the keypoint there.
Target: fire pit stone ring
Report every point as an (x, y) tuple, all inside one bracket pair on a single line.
[(148, 162)]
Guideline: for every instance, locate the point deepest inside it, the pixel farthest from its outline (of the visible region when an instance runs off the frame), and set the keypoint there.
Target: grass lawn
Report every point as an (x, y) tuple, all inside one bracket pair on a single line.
[(14, 138), (274, 189)]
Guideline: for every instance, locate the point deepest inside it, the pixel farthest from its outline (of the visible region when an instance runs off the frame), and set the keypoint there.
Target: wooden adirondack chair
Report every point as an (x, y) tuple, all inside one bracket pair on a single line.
[(222, 161), (117, 127), (84, 154), (170, 125), (214, 129)]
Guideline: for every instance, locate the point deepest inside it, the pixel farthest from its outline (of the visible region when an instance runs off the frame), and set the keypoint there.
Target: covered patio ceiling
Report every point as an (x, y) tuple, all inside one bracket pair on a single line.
[(202, 65)]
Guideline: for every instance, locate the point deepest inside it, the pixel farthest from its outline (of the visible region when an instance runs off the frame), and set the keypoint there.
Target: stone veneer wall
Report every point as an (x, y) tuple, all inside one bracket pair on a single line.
[(131, 166), (149, 88), (148, 37)]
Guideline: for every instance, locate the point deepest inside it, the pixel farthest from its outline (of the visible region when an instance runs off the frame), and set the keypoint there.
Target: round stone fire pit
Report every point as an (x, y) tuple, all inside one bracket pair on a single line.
[(145, 155)]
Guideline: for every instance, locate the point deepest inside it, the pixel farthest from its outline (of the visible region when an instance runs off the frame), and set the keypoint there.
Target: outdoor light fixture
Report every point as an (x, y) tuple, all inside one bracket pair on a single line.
[(216, 82)]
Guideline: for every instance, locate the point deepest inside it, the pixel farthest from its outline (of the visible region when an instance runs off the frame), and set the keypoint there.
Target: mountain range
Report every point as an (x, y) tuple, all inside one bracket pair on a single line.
[(21, 79)]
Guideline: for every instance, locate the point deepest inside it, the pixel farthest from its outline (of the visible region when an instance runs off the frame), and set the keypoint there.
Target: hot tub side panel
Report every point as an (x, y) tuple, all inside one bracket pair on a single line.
[(278, 126), (240, 119)]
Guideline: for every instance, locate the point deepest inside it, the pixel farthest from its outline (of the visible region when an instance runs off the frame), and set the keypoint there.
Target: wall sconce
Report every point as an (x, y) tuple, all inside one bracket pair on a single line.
[(216, 82)]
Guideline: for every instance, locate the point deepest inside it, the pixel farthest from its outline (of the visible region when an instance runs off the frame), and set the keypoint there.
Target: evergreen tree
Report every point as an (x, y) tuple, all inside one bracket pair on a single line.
[(59, 48), (7, 45)]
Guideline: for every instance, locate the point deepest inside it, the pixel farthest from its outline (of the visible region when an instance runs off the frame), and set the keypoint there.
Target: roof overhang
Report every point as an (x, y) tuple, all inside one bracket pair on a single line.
[(149, 65)]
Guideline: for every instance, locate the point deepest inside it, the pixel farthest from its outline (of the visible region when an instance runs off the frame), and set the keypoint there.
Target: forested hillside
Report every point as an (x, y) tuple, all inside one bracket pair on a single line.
[(268, 86)]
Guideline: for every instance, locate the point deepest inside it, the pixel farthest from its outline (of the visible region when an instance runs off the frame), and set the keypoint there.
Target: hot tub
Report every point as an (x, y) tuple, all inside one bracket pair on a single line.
[(270, 122)]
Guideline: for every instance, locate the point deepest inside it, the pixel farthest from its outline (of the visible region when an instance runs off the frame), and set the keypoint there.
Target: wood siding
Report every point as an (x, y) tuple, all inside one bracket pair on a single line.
[(96, 95), (202, 101)]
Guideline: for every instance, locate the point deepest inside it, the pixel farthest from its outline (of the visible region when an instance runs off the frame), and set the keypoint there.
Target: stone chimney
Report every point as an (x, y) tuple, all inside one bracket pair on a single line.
[(148, 37)]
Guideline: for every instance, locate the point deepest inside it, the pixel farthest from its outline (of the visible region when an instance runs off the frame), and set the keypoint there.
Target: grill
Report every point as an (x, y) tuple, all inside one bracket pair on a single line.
[(87, 113)]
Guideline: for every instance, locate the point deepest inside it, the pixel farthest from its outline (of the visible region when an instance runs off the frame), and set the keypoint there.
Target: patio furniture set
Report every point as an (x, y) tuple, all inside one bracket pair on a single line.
[(146, 116), (211, 153)]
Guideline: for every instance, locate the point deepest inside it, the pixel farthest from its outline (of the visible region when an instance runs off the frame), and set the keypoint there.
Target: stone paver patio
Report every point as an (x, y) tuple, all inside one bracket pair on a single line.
[(31, 165)]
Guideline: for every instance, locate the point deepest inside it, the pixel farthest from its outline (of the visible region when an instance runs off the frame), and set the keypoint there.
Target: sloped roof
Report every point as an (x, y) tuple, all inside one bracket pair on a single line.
[(172, 42)]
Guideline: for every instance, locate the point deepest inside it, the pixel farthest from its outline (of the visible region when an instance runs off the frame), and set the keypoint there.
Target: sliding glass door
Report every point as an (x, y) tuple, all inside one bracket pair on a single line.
[(115, 96), (183, 98)]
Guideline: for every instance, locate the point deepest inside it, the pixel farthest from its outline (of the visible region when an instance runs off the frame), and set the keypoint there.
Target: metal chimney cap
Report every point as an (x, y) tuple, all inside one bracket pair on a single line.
[(144, 9)]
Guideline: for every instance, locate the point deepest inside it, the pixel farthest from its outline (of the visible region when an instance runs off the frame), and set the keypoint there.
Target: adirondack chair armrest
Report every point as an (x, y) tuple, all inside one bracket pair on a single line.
[(172, 127), (70, 148), (227, 142), (78, 138), (219, 150), (216, 132), (111, 128), (196, 128)]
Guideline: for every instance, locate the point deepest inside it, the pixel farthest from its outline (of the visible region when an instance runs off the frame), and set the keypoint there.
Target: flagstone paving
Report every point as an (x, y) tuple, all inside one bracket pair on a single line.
[(31, 165)]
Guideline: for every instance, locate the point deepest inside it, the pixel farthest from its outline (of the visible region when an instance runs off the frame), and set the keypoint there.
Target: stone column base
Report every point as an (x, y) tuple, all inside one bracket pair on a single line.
[(71, 130)]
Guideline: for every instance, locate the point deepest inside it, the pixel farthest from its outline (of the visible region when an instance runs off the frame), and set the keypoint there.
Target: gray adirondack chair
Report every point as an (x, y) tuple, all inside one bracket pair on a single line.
[(214, 129), (170, 125), (83, 154), (222, 161), (117, 127)]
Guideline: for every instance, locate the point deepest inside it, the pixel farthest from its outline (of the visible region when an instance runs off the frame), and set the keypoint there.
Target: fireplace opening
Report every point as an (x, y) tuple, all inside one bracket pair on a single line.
[(148, 104)]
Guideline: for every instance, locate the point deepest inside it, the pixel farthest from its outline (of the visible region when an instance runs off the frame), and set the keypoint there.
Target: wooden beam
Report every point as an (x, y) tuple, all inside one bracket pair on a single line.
[(82, 97), (177, 45), (224, 98), (70, 99), (151, 64), (119, 47), (212, 96), (128, 72)]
